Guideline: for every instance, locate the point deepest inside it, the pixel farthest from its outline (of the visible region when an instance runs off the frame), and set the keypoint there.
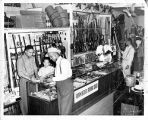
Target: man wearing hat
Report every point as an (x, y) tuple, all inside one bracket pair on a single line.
[(63, 73)]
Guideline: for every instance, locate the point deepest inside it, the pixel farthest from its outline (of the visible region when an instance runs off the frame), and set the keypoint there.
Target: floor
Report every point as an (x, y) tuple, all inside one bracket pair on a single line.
[(103, 107)]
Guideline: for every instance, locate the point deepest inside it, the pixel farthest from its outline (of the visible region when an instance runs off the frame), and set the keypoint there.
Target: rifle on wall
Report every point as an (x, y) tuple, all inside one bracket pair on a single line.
[(16, 55), (29, 39), (24, 41), (20, 43), (36, 55)]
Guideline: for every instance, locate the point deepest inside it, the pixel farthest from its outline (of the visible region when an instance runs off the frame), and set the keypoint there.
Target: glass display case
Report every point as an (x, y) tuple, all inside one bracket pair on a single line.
[(88, 73), (45, 91), (42, 98)]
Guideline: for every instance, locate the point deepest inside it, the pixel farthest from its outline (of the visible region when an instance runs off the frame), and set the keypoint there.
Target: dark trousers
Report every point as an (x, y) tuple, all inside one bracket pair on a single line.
[(23, 94), (65, 96)]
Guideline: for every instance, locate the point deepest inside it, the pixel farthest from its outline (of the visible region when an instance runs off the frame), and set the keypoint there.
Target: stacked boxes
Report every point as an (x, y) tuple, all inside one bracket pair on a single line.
[(31, 19)]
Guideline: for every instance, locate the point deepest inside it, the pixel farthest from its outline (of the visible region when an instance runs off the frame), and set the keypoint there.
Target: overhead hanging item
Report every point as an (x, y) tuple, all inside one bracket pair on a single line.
[(59, 9), (54, 16), (63, 15)]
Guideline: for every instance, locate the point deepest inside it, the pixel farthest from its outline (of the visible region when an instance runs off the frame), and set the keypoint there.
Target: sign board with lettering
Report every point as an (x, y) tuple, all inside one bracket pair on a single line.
[(85, 91)]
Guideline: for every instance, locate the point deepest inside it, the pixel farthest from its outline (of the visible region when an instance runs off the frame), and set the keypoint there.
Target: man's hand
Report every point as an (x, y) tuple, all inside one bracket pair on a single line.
[(33, 79), (42, 79)]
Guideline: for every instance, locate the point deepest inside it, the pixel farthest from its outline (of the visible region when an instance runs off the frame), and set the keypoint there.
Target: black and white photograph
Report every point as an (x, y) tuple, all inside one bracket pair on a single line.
[(74, 59)]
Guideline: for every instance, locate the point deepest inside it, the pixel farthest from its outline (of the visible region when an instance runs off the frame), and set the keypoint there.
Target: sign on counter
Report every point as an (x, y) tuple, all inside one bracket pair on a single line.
[(85, 91)]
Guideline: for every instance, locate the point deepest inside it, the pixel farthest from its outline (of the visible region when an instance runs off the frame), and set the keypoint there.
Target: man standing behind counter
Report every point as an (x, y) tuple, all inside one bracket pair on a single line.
[(27, 70), (127, 57), (63, 81)]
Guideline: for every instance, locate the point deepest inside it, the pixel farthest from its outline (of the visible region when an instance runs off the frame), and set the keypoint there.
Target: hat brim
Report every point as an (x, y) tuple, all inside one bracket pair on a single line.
[(53, 50)]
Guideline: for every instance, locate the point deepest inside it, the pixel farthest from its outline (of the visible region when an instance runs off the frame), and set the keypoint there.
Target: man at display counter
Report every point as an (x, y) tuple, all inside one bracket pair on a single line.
[(27, 70), (63, 73)]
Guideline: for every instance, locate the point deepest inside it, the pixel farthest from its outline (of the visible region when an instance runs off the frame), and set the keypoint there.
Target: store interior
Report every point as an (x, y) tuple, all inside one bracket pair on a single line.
[(79, 30)]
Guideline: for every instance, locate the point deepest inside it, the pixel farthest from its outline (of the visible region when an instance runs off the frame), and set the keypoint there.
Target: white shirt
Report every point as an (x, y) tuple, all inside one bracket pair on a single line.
[(43, 71), (100, 49), (107, 47), (102, 57), (105, 58), (128, 55), (65, 71)]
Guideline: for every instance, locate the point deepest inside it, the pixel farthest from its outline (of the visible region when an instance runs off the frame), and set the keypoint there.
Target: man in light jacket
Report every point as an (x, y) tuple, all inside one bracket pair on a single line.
[(127, 58), (27, 71)]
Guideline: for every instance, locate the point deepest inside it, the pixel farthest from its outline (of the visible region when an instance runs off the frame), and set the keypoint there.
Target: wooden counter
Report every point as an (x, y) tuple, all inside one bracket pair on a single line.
[(106, 85)]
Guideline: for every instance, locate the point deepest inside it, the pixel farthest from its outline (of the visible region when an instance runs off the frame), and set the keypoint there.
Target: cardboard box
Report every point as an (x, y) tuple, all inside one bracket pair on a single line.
[(30, 21)]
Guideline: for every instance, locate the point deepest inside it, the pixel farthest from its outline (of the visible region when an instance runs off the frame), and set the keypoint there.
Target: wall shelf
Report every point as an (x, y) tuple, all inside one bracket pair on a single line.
[(29, 30)]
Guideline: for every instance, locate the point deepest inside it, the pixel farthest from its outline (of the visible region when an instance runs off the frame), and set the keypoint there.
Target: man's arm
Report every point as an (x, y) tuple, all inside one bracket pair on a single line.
[(131, 56), (35, 68)]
